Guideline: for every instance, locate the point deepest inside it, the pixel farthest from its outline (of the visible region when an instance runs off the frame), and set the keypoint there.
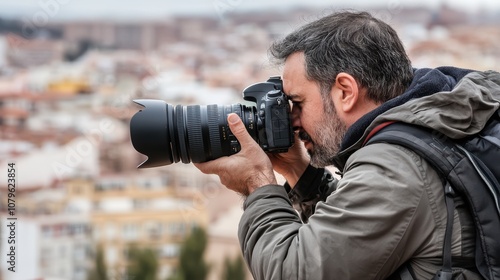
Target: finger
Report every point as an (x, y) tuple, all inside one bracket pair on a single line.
[(202, 167), (209, 167), (238, 129)]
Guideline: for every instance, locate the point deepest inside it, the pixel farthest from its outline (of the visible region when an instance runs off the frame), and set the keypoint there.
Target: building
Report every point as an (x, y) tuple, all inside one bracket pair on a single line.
[(51, 242), (67, 239), (33, 52), (142, 36), (66, 224), (145, 211), (223, 242)]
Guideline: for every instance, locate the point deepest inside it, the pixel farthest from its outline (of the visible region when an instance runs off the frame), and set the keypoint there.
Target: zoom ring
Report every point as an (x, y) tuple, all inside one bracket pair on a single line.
[(213, 130), (195, 135)]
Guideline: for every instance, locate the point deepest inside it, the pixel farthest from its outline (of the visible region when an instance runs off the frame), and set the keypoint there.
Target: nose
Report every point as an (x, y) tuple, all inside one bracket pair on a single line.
[(295, 118)]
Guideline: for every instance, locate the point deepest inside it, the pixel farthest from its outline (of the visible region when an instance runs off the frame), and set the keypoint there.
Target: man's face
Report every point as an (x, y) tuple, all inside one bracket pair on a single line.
[(316, 120)]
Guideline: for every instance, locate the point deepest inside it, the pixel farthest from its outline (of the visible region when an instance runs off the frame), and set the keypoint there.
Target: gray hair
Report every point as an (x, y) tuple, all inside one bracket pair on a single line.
[(351, 42)]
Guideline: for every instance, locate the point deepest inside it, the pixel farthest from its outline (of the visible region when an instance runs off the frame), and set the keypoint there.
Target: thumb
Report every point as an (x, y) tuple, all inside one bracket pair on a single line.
[(238, 129)]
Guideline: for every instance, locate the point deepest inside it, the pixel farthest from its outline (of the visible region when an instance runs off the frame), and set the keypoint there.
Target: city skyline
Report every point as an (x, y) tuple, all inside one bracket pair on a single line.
[(67, 85), (154, 9)]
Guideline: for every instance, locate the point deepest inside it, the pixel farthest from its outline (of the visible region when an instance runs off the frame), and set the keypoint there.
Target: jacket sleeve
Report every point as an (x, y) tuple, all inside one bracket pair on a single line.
[(315, 185), (361, 231)]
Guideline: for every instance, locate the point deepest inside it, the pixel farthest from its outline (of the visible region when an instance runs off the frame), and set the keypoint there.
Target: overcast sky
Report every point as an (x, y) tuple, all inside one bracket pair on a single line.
[(141, 9)]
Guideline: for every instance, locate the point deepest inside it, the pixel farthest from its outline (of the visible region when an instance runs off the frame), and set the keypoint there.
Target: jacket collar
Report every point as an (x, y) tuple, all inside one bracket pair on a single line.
[(425, 82)]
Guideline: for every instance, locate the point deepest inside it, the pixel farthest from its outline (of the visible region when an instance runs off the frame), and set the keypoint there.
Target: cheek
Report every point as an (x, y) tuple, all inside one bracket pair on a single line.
[(310, 119)]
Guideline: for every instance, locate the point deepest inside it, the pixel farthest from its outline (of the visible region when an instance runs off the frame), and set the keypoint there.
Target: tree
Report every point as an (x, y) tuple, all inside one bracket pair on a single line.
[(234, 270), (99, 271), (191, 263), (143, 264)]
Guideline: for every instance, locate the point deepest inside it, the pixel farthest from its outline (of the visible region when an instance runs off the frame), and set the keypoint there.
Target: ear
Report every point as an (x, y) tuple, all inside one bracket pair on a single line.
[(347, 92)]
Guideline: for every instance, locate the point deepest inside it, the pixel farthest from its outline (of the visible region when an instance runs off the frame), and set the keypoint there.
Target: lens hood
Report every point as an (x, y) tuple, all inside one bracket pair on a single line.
[(149, 132)]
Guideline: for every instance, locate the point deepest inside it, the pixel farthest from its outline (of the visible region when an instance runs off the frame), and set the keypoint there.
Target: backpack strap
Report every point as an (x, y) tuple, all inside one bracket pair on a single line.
[(442, 155), (472, 180), (430, 145), (445, 273), (404, 272)]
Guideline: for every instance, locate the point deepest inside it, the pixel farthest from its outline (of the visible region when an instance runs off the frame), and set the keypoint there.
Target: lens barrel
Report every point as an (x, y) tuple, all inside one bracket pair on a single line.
[(193, 133)]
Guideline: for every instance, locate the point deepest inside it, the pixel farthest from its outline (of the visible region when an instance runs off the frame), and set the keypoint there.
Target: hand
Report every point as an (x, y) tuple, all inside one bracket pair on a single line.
[(245, 171), (291, 164)]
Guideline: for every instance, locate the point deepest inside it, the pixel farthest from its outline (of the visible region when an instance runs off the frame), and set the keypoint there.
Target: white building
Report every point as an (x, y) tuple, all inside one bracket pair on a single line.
[(55, 247)]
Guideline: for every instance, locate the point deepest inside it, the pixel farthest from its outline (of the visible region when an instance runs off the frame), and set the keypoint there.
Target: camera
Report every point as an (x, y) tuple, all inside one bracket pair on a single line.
[(199, 133)]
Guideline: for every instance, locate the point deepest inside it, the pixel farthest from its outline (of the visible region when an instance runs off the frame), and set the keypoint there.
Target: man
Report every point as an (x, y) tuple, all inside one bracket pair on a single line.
[(346, 74)]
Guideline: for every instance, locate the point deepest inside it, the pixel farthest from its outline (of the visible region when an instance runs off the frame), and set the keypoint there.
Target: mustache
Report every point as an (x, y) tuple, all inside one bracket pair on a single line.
[(304, 136)]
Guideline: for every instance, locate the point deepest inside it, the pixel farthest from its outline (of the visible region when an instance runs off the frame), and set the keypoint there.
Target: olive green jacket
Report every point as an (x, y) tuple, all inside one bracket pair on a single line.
[(386, 210)]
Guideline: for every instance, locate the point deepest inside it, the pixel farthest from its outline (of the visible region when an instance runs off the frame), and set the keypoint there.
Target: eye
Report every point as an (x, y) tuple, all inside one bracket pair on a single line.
[(295, 104), (294, 101)]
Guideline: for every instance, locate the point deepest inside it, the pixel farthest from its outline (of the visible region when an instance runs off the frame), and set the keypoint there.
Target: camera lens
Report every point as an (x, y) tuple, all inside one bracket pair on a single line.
[(193, 133)]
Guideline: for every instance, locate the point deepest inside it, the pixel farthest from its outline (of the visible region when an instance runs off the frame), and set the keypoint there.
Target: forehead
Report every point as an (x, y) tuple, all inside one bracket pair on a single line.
[(295, 81), (294, 66), (294, 71)]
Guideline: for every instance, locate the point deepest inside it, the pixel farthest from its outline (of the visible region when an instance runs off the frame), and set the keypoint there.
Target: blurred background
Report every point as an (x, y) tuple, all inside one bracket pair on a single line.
[(69, 71)]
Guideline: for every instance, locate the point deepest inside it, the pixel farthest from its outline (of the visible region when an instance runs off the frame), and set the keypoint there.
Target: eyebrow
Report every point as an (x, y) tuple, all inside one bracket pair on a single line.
[(292, 96)]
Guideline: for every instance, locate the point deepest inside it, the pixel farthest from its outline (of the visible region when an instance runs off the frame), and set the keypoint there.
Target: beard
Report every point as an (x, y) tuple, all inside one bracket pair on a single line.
[(329, 134)]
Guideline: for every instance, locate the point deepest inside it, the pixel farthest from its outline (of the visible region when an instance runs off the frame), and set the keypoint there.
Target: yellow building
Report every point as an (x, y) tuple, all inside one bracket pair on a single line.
[(145, 211), (69, 86)]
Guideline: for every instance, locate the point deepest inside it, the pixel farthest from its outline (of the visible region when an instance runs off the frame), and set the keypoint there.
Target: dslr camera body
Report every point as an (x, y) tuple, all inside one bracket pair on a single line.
[(199, 133)]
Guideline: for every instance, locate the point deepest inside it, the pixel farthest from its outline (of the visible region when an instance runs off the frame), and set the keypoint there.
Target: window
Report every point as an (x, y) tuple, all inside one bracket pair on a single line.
[(111, 255), (177, 229), (79, 252), (62, 252), (140, 203), (153, 230), (110, 231), (47, 231), (169, 251), (154, 183), (96, 232), (78, 229), (130, 232), (109, 185)]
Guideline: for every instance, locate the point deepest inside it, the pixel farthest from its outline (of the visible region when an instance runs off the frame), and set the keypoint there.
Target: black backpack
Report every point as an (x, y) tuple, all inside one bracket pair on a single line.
[(470, 168)]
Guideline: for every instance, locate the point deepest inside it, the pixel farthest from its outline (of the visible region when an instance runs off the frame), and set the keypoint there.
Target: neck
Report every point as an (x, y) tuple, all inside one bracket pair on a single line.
[(361, 109)]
